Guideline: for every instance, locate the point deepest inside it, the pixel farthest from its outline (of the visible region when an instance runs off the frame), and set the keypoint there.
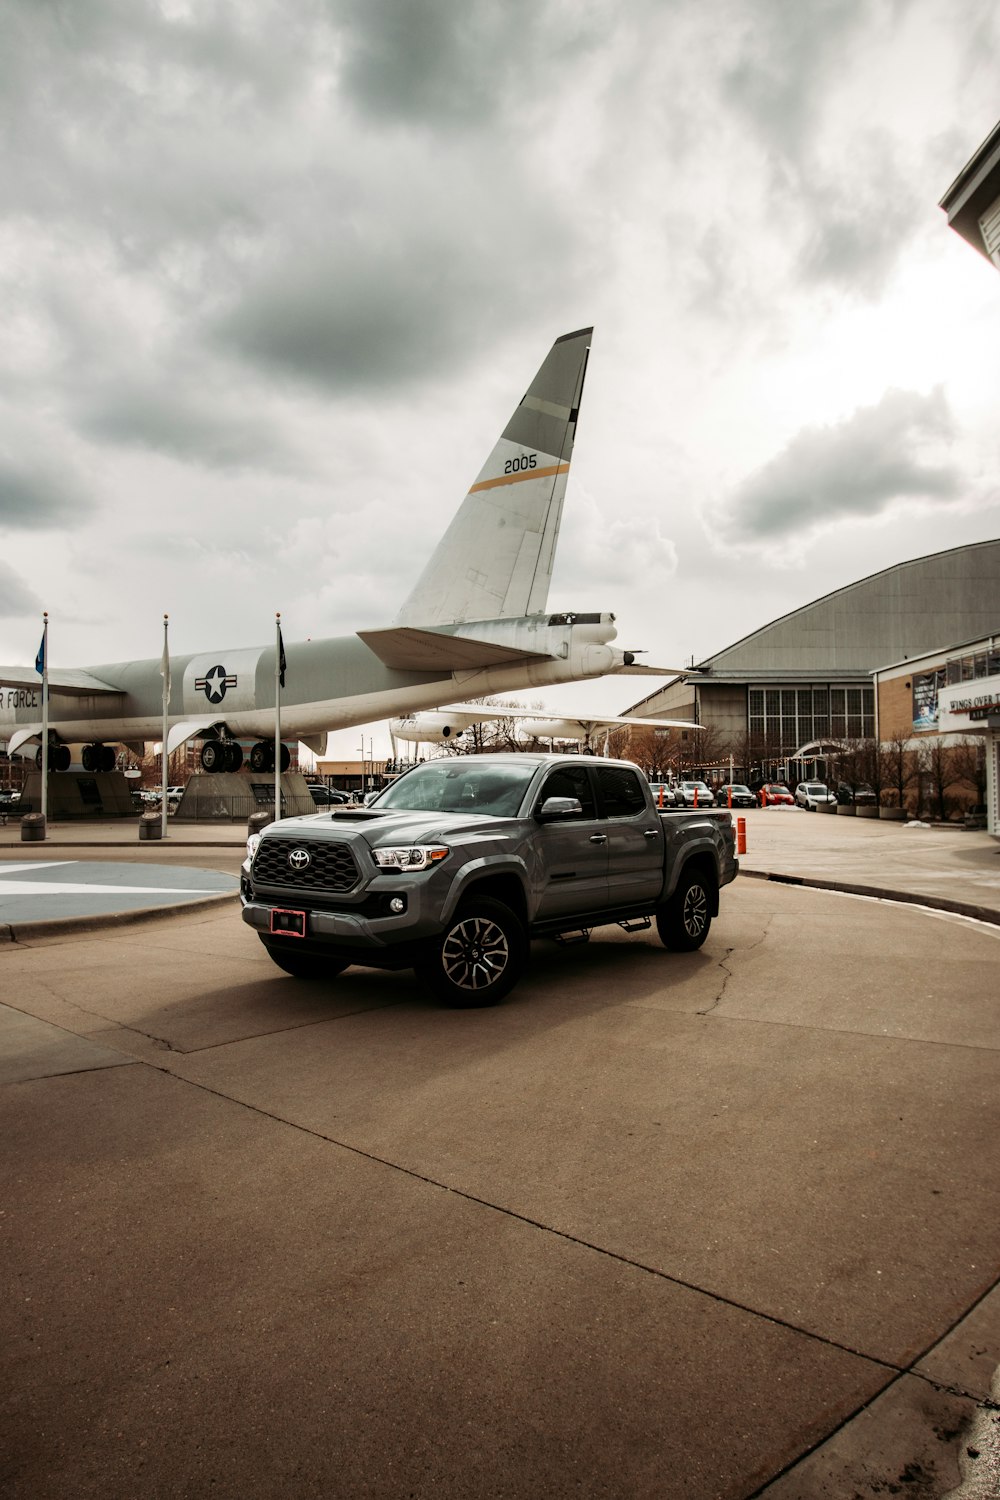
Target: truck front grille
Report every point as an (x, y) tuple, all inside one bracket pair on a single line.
[(330, 866)]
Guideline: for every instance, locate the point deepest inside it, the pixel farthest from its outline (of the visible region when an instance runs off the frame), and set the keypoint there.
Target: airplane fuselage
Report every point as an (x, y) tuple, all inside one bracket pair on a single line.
[(329, 684)]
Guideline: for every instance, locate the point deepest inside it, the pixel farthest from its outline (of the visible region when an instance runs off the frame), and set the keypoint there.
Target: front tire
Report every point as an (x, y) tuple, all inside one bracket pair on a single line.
[(479, 957), (684, 921), (305, 965)]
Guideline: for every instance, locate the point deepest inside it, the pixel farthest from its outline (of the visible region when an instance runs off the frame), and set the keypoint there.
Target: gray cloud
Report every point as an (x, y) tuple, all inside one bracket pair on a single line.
[(15, 597), (401, 289), (440, 65), (879, 455), (846, 212), (194, 420), (38, 493)]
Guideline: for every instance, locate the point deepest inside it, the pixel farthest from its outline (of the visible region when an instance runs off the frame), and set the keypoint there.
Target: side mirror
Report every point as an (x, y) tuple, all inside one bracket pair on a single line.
[(556, 809)]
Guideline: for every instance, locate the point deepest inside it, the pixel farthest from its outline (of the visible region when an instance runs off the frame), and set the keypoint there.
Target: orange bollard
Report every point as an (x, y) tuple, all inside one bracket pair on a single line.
[(741, 835), (729, 798), (695, 797), (661, 793)]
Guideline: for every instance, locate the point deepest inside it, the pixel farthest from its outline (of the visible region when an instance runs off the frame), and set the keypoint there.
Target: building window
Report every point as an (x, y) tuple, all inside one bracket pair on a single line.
[(791, 717)]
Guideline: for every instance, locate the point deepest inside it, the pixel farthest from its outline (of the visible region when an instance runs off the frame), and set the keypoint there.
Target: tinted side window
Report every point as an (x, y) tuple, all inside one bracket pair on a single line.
[(621, 790), (570, 781)]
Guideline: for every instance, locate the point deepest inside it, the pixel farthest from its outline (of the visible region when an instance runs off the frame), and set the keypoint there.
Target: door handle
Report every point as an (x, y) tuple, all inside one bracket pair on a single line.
[(651, 833), (598, 838)]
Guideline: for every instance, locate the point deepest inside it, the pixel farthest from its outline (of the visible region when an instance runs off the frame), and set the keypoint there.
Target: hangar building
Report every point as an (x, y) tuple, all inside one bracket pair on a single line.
[(807, 678)]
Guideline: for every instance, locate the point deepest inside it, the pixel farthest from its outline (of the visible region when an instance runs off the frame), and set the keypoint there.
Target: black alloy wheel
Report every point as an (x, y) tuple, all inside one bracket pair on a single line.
[(479, 957), (684, 921)]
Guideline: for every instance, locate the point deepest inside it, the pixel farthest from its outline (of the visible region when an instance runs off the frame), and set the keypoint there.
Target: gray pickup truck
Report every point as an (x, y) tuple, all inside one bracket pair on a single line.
[(462, 861)]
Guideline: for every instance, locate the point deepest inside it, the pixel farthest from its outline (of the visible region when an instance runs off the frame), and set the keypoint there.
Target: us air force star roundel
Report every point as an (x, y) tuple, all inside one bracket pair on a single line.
[(215, 683)]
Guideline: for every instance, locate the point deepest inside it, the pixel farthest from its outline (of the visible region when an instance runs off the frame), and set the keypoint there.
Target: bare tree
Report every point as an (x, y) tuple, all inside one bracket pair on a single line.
[(968, 759), (499, 733), (900, 765), (936, 764), (873, 765)]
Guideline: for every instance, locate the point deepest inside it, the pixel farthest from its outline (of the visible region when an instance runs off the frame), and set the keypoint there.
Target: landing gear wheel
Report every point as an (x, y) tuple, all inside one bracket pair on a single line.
[(286, 758), (261, 757), (684, 921), (213, 756), (232, 755), (97, 757), (480, 956), (305, 965)]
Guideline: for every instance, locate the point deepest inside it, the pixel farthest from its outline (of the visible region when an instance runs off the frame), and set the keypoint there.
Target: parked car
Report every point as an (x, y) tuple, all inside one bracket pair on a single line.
[(772, 794), (174, 795), (665, 795), (687, 790), (734, 794), (327, 796), (859, 793), (813, 794)]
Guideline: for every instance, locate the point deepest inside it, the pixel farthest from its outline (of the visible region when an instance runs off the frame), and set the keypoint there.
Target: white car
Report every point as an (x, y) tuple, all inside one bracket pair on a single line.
[(810, 795), (704, 791)]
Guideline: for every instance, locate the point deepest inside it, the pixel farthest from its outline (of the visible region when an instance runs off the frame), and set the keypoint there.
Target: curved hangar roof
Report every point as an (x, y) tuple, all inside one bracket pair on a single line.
[(909, 609)]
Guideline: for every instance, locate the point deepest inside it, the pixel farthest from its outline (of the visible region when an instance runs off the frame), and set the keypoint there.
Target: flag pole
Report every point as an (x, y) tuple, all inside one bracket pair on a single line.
[(164, 767), (45, 716), (278, 653)]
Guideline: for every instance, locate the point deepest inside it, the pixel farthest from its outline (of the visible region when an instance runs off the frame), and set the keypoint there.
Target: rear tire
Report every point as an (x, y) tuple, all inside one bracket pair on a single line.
[(305, 965), (684, 921), (479, 957)]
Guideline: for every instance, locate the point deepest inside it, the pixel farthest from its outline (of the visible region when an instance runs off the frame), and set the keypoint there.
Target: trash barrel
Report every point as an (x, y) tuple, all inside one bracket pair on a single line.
[(32, 827), (258, 821), (151, 826)]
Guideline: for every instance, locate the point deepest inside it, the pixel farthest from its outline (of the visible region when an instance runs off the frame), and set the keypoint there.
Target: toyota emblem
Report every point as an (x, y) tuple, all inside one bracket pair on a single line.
[(299, 858)]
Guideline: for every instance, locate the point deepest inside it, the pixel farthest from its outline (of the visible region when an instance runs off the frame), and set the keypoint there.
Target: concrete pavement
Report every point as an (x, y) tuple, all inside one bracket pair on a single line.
[(682, 1226)]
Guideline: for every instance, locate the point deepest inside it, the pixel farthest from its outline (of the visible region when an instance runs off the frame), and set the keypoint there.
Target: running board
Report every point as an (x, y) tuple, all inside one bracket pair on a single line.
[(635, 924), (570, 939)]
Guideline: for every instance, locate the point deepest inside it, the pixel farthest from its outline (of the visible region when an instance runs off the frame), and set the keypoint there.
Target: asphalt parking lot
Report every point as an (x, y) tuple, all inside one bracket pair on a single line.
[(700, 1225)]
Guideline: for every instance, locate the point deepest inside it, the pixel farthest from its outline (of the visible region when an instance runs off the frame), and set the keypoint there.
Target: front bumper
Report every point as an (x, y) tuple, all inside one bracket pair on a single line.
[(345, 929)]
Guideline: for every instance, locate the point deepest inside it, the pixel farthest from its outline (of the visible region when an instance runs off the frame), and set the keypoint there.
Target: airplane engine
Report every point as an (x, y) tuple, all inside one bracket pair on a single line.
[(428, 728)]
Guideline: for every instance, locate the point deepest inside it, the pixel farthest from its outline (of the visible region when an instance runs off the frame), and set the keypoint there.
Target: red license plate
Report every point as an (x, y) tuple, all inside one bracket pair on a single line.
[(288, 923)]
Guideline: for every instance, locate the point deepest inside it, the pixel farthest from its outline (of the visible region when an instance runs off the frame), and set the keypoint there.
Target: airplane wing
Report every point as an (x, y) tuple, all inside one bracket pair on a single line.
[(409, 649), (74, 683), (639, 669), (483, 712)]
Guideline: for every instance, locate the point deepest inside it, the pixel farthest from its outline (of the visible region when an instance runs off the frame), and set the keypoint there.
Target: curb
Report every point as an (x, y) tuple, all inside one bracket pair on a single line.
[(150, 844), (17, 932), (878, 893)]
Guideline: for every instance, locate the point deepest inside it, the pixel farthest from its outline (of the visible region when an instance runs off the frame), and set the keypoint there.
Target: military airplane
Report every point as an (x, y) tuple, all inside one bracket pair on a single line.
[(474, 624), (441, 725)]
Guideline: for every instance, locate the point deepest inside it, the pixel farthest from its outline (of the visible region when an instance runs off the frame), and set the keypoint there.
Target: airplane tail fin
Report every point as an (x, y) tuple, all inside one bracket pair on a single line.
[(495, 560)]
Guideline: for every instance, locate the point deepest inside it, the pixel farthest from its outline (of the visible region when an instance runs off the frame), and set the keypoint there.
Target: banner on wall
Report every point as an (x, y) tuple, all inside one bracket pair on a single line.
[(925, 698)]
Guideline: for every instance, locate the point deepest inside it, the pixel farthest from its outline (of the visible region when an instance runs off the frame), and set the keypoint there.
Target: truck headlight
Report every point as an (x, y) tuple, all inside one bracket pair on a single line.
[(410, 857), (253, 840)]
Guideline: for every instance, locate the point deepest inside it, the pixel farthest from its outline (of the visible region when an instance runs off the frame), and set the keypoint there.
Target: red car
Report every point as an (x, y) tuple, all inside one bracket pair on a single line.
[(772, 793)]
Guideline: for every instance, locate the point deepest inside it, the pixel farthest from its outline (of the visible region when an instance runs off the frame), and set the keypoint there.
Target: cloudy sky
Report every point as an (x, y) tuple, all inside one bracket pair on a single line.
[(273, 277)]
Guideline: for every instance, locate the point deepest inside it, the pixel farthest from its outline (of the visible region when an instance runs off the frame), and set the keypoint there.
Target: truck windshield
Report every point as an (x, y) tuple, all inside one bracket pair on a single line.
[(465, 785)]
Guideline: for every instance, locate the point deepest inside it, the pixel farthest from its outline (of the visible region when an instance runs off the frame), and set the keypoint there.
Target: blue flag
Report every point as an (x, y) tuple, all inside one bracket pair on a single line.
[(40, 658), (281, 658)]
